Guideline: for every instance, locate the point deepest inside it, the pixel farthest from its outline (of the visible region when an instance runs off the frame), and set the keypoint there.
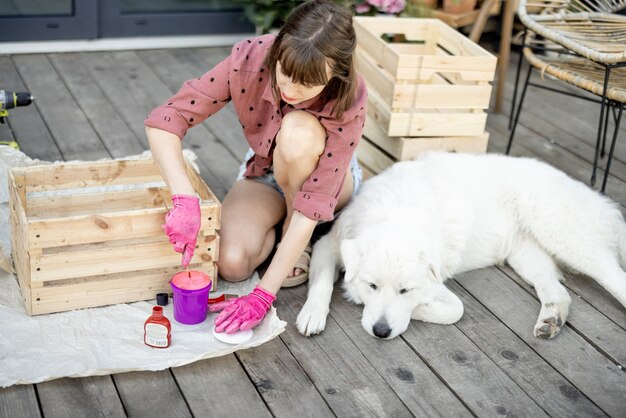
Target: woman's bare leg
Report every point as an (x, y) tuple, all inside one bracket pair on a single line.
[(299, 145), (250, 212)]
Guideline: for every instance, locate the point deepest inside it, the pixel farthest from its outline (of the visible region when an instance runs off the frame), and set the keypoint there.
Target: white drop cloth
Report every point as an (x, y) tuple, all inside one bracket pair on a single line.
[(97, 341)]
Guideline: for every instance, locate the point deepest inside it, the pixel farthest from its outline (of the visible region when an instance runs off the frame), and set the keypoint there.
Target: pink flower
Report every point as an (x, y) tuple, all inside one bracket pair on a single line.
[(362, 8), (388, 6)]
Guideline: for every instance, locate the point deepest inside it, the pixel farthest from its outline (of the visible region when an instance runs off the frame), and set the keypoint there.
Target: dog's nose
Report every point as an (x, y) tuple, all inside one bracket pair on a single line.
[(381, 329)]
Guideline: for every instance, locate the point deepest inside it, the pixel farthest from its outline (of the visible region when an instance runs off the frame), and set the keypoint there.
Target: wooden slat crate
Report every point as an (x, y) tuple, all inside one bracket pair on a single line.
[(428, 89), (435, 82), (76, 244)]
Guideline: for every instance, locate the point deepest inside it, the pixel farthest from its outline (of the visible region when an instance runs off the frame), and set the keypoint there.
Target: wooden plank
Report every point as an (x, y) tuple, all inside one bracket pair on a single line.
[(484, 388), (102, 114), (177, 65), (28, 127), (83, 204), (434, 123), (93, 260), (551, 391), (150, 394), (281, 381), (19, 401), (108, 290), (569, 353), (85, 397), (372, 156), (77, 140), (600, 331), (93, 173), (345, 378), (402, 369), (407, 148), (219, 387), (111, 226), (469, 68)]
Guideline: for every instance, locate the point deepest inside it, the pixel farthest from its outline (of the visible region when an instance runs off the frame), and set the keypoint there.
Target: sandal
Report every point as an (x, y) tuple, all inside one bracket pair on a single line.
[(302, 264)]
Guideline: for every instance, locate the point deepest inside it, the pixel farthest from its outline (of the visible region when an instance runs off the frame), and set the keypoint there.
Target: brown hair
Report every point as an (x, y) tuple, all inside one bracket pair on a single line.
[(315, 33)]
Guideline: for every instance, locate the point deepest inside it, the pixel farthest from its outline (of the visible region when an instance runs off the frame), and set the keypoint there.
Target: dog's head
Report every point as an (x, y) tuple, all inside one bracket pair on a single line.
[(391, 281)]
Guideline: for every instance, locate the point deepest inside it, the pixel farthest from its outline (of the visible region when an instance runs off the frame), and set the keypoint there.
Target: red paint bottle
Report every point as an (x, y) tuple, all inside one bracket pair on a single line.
[(157, 330)]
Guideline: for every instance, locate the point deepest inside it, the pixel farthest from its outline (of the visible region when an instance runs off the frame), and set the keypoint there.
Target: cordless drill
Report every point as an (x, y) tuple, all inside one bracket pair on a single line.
[(9, 100)]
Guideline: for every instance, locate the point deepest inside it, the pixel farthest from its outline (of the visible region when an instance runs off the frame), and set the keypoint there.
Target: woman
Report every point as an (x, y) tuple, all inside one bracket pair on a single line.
[(302, 108)]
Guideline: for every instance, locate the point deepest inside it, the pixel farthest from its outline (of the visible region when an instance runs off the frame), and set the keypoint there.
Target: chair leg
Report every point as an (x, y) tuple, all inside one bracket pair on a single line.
[(612, 150), (607, 74), (517, 73), (519, 110), (605, 130)]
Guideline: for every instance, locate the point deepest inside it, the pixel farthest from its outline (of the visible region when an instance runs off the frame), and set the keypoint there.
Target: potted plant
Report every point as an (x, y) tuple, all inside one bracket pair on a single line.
[(266, 15)]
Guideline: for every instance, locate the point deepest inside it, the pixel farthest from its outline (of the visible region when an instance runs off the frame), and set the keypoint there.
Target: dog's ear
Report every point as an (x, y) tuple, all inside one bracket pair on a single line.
[(351, 257), (434, 273)]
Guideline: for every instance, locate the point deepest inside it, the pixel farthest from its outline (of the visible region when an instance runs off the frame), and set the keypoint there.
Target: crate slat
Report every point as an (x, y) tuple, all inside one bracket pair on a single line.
[(107, 290), (85, 229), (407, 148), (71, 175), (372, 157), (86, 203), (92, 260)]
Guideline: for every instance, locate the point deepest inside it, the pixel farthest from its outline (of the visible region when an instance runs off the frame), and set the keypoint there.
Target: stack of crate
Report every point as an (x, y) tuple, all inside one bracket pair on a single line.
[(429, 88), (89, 234)]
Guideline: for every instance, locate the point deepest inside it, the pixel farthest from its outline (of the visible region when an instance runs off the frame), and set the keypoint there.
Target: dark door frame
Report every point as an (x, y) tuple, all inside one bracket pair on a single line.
[(103, 19), (115, 24), (82, 24)]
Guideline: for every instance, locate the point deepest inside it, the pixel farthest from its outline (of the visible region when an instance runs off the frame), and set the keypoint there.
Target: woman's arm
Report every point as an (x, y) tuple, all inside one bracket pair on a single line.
[(291, 247), (168, 154)]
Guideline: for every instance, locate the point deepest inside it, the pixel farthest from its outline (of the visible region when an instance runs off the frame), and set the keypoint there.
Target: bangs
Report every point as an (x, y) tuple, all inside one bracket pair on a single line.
[(302, 62)]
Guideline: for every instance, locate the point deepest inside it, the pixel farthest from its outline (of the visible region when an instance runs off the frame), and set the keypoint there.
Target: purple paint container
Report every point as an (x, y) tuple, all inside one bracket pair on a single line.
[(191, 294)]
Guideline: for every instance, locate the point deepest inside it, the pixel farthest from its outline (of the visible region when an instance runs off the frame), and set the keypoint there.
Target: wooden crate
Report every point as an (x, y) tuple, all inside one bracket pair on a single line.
[(76, 246), (434, 83)]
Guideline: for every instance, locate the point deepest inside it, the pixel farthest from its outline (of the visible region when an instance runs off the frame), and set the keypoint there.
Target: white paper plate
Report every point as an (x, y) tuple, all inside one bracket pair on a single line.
[(234, 338)]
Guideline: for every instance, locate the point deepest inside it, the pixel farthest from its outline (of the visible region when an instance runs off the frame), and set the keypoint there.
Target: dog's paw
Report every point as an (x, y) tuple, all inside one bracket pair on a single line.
[(548, 327), (312, 318)]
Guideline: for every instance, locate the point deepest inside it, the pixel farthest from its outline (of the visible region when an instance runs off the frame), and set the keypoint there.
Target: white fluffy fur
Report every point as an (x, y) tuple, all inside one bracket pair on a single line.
[(421, 222)]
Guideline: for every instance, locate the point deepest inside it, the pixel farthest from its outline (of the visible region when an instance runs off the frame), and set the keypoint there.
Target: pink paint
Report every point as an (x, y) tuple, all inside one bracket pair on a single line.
[(191, 280)]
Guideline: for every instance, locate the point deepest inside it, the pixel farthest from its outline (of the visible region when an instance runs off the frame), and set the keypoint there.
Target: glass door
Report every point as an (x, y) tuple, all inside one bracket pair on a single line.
[(37, 20), (123, 18)]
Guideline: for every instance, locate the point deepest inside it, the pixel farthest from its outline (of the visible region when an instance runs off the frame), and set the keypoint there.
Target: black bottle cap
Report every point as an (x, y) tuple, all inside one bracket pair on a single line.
[(161, 299)]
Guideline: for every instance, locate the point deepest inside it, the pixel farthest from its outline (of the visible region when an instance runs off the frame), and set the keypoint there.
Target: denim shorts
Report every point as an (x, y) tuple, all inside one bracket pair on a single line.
[(269, 179)]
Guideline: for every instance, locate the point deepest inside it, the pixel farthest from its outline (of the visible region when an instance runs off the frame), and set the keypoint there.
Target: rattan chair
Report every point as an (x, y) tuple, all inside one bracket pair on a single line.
[(583, 43)]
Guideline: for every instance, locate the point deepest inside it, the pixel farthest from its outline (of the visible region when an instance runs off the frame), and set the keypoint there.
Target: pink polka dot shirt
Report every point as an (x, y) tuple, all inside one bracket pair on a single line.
[(243, 78)]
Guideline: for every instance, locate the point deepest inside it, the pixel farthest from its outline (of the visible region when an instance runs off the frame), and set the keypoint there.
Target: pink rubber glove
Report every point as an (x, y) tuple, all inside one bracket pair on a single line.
[(182, 224), (243, 313)]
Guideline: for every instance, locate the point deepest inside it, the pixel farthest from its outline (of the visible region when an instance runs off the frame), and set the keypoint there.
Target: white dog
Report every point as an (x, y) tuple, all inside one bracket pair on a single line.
[(421, 222)]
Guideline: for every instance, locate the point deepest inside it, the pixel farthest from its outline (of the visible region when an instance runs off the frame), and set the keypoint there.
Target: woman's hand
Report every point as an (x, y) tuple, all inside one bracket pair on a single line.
[(182, 224), (243, 313)]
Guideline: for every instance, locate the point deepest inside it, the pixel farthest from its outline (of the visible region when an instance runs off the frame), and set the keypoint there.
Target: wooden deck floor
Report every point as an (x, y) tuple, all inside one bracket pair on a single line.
[(92, 105)]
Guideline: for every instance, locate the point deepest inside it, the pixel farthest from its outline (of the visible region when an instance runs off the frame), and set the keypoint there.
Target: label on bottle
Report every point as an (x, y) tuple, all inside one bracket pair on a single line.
[(156, 335)]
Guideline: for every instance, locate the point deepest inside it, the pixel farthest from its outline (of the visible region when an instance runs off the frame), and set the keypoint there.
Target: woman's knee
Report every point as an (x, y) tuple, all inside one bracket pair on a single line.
[(234, 264), (301, 136)]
